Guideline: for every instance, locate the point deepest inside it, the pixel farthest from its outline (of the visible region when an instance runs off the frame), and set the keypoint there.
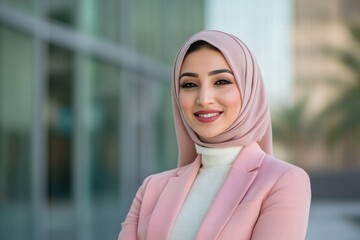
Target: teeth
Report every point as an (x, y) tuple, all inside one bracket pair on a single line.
[(208, 115)]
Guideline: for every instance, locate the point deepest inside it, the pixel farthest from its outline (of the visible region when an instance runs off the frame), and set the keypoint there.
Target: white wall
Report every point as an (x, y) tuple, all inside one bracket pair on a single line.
[(266, 27)]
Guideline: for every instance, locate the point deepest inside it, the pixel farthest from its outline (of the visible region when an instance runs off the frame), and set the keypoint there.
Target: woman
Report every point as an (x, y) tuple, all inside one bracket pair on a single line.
[(227, 184)]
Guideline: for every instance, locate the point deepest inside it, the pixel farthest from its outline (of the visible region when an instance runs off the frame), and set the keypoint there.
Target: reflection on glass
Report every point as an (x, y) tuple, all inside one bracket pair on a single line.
[(83, 107), (108, 123), (62, 11), (98, 141), (16, 107), (60, 128), (60, 131), (103, 107), (27, 5)]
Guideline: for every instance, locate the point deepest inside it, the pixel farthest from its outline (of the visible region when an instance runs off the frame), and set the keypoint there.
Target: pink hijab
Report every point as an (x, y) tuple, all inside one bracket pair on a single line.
[(253, 123)]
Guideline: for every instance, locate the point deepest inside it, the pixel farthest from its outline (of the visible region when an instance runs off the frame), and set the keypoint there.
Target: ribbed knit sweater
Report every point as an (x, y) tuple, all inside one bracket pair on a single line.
[(215, 165)]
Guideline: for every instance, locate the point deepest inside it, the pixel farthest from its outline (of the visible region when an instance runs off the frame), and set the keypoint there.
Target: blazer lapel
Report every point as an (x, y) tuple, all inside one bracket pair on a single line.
[(237, 183), (171, 200)]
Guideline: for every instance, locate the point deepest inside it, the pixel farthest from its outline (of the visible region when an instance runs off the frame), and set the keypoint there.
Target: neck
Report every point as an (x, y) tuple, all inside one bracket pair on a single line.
[(213, 157)]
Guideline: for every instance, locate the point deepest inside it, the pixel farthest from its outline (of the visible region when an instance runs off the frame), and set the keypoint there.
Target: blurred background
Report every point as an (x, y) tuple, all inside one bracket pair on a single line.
[(85, 110)]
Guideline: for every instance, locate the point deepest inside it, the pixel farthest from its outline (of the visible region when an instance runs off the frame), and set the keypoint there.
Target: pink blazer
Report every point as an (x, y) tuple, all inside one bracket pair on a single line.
[(261, 198)]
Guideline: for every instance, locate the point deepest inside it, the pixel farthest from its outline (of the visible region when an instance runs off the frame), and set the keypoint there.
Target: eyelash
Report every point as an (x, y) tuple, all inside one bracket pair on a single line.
[(218, 82), (222, 82), (188, 85)]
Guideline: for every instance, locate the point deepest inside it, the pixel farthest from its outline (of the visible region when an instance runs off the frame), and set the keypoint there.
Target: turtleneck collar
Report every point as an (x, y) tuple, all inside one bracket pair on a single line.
[(214, 157)]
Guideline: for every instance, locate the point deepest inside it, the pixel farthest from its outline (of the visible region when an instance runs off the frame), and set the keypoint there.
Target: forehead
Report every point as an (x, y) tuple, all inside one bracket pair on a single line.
[(204, 58)]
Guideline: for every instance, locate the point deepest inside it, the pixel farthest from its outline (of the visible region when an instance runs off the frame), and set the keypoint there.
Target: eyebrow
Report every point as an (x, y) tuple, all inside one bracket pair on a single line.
[(188, 74), (214, 72), (220, 71)]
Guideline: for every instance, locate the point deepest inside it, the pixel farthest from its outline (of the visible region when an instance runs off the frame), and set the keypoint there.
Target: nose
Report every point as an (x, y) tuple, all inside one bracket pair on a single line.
[(205, 96)]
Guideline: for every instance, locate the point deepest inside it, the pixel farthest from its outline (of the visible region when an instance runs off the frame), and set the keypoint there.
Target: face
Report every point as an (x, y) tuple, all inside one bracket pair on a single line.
[(209, 97)]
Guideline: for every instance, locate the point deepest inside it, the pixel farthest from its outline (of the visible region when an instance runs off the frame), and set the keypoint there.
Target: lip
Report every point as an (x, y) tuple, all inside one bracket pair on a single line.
[(207, 116)]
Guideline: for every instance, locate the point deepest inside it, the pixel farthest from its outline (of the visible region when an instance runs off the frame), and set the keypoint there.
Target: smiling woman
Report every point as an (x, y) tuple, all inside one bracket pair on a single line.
[(209, 97), (227, 184)]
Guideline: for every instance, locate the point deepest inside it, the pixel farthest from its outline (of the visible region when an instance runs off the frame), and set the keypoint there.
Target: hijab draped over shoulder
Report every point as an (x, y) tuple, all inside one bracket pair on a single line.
[(253, 123)]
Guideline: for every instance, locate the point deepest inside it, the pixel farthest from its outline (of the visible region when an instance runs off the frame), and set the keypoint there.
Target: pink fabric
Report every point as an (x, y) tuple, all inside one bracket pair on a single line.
[(262, 198), (253, 123)]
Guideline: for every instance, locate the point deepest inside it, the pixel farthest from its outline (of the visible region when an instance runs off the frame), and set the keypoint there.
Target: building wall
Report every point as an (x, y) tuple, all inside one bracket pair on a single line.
[(85, 110), (321, 27)]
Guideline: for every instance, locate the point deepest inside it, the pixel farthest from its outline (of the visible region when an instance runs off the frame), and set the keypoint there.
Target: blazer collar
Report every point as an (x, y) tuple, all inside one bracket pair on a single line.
[(236, 185), (171, 200), (238, 181)]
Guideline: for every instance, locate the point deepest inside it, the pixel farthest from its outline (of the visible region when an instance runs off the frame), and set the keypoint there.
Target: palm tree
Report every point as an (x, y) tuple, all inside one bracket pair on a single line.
[(341, 118), (290, 130)]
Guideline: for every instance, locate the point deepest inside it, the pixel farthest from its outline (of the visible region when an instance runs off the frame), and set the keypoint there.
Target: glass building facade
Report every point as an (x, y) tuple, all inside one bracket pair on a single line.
[(85, 110)]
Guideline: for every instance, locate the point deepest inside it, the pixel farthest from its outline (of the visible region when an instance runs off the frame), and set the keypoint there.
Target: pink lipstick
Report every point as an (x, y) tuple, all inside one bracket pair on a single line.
[(207, 116)]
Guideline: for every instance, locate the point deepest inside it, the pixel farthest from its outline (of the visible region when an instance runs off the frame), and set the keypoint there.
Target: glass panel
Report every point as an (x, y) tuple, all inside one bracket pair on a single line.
[(84, 119), (105, 134), (99, 19), (62, 11), (165, 130), (101, 109), (27, 5), (92, 17), (16, 107), (90, 105), (162, 26), (100, 115), (157, 142), (60, 108)]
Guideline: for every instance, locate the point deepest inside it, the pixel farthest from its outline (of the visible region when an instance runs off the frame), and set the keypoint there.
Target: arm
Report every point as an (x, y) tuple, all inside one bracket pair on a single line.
[(284, 213), (129, 227)]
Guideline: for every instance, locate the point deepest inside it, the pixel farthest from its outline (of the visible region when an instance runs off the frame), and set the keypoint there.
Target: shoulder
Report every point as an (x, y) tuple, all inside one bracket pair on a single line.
[(167, 174), (270, 169), (280, 176), (276, 168), (162, 175), (162, 178)]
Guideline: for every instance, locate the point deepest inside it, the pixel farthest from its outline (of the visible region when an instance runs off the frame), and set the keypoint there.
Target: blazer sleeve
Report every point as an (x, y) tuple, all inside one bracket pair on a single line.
[(129, 227), (285, 212)]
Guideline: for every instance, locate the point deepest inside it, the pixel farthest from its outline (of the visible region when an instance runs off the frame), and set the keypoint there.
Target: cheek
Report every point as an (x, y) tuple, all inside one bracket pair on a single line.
[(185, 102), (232, 100)]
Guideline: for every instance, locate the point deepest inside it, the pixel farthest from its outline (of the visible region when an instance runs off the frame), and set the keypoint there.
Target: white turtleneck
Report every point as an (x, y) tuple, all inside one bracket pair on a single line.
[(216, 163)]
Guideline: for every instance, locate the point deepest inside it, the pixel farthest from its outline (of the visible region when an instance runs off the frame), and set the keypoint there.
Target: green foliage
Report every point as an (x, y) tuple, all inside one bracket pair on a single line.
[(341, 118), (291, 131), (289, 123)]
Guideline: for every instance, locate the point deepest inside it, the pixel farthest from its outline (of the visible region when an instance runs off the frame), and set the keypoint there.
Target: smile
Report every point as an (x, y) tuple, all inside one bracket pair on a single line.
[(207, 116)]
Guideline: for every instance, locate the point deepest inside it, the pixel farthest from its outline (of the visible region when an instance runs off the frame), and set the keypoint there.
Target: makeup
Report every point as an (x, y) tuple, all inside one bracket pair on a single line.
[(207, 116)]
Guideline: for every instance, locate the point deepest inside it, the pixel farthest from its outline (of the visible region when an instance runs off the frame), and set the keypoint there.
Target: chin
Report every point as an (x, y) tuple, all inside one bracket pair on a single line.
[(206, 135)]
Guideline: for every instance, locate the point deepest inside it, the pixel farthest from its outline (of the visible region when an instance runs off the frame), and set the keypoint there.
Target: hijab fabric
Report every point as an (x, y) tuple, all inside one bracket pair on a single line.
[(253, 123)]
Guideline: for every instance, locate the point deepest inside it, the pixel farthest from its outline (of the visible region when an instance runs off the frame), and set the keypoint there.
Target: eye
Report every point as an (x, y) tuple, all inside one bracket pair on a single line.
[(188, 85), (222, 82)]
